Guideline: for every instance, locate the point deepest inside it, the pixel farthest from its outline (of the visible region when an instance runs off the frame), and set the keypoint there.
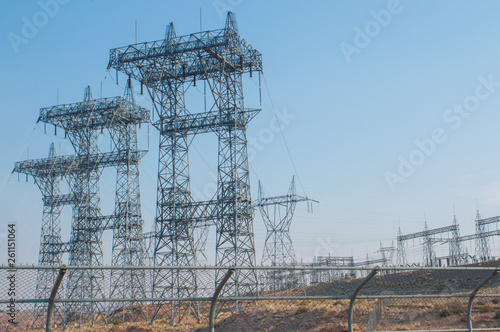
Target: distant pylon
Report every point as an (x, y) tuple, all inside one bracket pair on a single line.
[(277, 213), (456, 255), (429, 254), (401, 250), (387, 254), (482, 244)]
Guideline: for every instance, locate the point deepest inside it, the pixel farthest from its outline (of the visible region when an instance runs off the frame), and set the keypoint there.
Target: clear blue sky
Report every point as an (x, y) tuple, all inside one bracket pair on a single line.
[(359, 101)]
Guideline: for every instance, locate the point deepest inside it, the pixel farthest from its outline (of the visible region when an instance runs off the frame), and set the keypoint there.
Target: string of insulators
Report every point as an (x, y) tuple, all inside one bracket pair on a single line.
[(250, 70), (117, 76), (194, 80), (142, 88), (129, 82)]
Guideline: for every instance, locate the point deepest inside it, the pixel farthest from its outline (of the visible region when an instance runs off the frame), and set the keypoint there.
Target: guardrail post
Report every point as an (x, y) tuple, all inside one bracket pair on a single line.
[(353, 297), (52, 299), (473, 295), (216, 295)]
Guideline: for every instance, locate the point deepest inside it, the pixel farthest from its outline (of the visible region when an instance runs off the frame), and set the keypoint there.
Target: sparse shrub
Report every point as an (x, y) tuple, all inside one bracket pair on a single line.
[(117, 321), (446, 309), (487, 307), (497, 315), (495, 301), (303, 308)]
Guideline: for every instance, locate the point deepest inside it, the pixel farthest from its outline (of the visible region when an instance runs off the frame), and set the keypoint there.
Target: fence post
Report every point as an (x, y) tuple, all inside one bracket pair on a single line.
[(216, 295), (473, 295), (52, 300), (353, 297)]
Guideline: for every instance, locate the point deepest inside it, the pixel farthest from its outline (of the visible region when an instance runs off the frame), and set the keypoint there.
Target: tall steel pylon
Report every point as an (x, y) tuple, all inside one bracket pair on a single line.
[(82, 123), (456, 255), (128, 241), (168, 68), (277, 213), (387, 254), (401, 250), (428, 252), (483, 252), (51, 246)]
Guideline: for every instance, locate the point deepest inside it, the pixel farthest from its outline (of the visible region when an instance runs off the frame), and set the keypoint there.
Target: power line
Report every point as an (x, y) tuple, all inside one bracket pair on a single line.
[(283, 136)]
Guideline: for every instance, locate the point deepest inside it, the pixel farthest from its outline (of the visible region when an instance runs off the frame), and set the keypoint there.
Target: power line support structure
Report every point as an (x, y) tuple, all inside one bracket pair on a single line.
[(168, 68), (429, 256), (50, 253), (83, 122), (277, 213)]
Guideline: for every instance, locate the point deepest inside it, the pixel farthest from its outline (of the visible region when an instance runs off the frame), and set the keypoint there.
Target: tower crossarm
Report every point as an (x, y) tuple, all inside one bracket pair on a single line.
[(477, 236), (71, 164), (200, 213), (488, 221), (59, 200), (281, 200), (346, 261), (94, 114), (371, 262), (197, 55), (429, 232), (205, 122)]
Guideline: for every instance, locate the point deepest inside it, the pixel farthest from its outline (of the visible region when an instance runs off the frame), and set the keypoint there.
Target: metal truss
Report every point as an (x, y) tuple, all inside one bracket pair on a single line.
[(483, 252), (128, 242), (50, 235), (168, 68), (277, 213), (429, 256), (83, 123)]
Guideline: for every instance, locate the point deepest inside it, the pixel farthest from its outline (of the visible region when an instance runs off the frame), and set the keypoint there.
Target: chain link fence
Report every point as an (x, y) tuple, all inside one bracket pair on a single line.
[(288, 299)]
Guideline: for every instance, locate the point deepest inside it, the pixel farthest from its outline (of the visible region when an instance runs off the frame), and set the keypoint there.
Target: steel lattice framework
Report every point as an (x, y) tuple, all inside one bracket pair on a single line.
[(83, 122), (429, 256), (51, 252), (277, 213), (168, 68), (483, 252)]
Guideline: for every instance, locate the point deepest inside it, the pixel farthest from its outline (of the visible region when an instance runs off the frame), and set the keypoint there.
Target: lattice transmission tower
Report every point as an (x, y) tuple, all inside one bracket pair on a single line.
[(83, 123), (51, 246), (129, 248), (169, 68), (277, 213), (401, 259), (483, 252)]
